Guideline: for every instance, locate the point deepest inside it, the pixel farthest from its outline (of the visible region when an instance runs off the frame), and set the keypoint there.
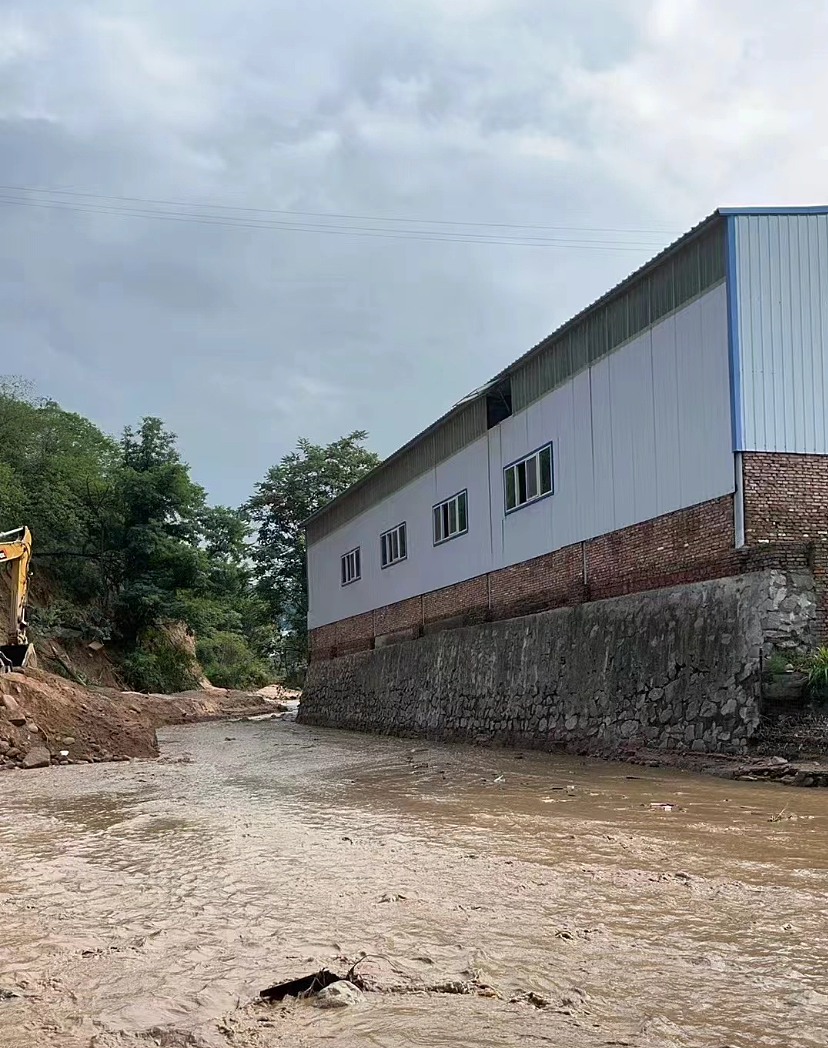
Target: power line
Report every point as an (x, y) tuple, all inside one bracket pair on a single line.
[(426, 235), (334, 214)]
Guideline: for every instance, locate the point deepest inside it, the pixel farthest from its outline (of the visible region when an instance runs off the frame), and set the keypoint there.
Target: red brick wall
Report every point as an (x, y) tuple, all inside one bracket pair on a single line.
[(786, 526), (786, 497), (686, 546), (819, 566), (469, 598), (402, 615), (355, 633), (786, 502), (552, 580), (322, 642)]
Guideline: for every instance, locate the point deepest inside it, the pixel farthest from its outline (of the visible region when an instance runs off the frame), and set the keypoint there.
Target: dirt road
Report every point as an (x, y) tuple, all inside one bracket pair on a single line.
[(148, 903)]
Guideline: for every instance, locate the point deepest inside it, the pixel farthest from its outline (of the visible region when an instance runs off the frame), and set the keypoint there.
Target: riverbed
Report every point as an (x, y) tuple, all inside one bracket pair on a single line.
[(148, 902)]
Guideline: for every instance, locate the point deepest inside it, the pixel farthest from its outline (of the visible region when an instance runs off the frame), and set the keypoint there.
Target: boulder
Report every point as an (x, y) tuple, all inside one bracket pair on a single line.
[(13, 711), (788, 687), (37, 757), (338, 995)]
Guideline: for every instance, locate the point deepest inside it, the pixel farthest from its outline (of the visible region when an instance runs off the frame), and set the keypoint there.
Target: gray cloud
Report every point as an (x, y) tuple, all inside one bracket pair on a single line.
[(619, 114)]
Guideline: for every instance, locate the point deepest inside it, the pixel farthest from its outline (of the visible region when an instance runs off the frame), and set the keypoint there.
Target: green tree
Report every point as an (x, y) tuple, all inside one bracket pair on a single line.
[(160, 508), (125, 544), (228, 661), (301, 483), (55, 473)]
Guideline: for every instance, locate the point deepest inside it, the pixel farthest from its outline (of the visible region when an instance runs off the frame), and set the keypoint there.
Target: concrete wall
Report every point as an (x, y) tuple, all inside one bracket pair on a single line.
[(642, 433), (779, 284), (667, 669)]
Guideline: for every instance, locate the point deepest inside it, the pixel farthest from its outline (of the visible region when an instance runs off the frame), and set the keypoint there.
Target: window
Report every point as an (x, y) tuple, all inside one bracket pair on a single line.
[(351, 568), (393, 545), (529, 479), (450, 518)]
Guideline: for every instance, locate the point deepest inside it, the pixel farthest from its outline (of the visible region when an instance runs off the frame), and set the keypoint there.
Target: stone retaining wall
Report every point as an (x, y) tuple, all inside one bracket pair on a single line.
[(673, 668)]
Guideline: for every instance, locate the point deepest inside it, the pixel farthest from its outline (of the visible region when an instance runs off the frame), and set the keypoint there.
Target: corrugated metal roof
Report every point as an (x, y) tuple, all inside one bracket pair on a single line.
[(548, 370), (613, 292)]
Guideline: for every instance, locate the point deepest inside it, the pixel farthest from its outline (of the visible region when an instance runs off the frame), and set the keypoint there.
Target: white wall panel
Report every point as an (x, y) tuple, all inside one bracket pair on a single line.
[(603, 484), (495, 489), (584, 517), (714, 403), (633, 438), (666, 415), (643, 432)]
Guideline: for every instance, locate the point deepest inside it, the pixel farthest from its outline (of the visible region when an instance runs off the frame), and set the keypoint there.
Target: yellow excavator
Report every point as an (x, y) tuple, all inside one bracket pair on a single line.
[(16, 550)]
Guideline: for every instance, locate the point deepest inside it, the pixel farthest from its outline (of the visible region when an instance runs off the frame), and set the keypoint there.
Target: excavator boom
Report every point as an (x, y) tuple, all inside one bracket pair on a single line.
[(16, 550)]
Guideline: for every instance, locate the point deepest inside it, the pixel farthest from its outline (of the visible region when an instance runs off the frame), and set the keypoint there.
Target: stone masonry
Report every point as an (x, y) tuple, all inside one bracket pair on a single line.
[(675, 668)]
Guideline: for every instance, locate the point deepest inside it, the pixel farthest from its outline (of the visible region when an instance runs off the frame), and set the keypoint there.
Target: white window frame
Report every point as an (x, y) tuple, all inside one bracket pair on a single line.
[(394, 545), (533, 480), (448, 513), (350, 567)]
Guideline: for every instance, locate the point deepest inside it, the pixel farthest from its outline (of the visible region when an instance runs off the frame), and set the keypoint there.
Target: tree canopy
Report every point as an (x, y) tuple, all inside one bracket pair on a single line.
[(301, 483), (125, 536), (129, 545)]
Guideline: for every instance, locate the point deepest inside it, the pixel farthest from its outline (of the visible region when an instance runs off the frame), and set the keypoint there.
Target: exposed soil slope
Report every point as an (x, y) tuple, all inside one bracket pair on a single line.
[(45, 719)]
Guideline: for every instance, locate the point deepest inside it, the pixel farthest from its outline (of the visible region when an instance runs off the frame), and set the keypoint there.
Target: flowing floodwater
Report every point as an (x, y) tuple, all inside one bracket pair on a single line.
[(148, 903)]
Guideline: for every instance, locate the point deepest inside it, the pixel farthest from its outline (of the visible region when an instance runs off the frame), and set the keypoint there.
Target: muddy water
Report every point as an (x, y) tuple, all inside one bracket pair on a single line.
[(149, 902)]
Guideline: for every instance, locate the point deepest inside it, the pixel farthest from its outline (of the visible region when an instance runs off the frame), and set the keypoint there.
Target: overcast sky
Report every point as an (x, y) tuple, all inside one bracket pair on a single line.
[(614, 124)]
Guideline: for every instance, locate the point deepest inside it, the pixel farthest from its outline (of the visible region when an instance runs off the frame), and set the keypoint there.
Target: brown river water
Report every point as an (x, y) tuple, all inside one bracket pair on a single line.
[(148, 903)]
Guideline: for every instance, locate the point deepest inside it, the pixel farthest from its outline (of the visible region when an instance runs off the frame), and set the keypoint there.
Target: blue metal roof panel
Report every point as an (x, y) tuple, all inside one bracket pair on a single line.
[(816, 209)]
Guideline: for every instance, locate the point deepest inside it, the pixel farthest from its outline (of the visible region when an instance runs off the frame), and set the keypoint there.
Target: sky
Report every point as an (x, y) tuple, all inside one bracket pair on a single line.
[(175, 176)]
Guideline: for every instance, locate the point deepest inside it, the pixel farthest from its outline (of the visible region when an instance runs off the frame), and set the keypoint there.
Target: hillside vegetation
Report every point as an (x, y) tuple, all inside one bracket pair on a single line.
[(127, 546)]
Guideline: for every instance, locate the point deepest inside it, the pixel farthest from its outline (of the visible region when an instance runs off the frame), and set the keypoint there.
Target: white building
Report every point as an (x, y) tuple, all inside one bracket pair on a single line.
[(671, 400)]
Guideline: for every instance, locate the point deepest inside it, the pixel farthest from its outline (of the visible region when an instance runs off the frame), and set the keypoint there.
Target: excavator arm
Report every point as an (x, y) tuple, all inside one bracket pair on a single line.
[(16, 550)]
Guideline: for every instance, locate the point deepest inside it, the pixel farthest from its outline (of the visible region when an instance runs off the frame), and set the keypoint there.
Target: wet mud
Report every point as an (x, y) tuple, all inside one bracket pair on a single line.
[(501, 899)]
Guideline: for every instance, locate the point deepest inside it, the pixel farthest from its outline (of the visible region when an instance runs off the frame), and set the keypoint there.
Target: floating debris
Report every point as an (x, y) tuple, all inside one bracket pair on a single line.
[(305, 986)]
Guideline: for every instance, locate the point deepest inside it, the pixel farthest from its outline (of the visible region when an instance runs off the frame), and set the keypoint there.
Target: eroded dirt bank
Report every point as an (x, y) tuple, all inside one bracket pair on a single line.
[(46, 719), (148, 903)]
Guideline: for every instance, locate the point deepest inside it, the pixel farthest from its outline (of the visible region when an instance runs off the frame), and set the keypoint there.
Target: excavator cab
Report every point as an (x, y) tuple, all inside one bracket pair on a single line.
[(16, 551)]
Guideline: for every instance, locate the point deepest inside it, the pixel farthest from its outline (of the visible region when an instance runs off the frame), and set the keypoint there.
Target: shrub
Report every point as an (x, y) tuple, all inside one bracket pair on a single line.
[(228, 662), (63, 617), (159, 665), (818, 673), (776, 664)]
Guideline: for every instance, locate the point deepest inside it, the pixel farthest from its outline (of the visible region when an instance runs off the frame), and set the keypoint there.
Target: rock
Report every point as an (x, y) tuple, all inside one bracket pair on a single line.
[(338, 995), (803, 778), (37, 757), (68, 741), (15, 714), (13, 752), (789, 687), (4, 746), (32, 727)]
